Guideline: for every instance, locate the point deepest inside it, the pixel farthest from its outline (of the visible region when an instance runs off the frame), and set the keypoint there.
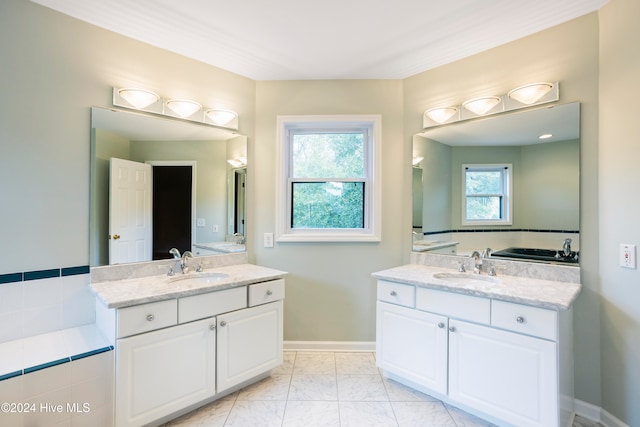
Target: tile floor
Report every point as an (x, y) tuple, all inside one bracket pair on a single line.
[(330, 389)]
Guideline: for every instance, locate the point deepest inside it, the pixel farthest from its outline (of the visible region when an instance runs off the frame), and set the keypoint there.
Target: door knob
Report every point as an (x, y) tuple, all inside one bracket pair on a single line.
[(116, 236)]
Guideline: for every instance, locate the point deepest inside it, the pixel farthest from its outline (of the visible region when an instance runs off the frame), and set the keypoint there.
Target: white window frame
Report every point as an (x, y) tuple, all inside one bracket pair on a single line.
[(507, 195), (372, 210)]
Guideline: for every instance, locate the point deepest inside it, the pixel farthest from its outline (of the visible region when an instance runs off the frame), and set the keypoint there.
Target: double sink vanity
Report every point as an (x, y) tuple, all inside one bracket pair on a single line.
[(497, 346), (184, 340)]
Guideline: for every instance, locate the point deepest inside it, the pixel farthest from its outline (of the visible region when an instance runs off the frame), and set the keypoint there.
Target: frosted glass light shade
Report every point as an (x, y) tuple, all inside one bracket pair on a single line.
[(221, 117), (183, 107), (481, 106), (139, 98), (531, 93), (441, 114)]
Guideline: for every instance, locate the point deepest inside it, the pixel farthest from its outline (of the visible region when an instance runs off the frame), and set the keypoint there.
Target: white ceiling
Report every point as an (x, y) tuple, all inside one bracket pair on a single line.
[(328, 39)]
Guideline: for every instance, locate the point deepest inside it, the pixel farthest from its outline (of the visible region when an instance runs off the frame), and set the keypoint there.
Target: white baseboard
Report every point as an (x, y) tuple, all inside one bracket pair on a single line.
[(596, 413), (346, 346)]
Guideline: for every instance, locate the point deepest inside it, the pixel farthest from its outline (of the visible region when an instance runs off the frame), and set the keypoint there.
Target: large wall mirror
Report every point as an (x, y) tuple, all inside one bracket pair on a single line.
[(158, 183), (544, 178)]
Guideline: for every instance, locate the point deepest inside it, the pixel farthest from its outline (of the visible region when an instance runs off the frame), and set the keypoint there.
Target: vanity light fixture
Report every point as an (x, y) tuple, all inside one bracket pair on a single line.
[(183, 107), (545, 136), (481, 106), (441, 114), (221, 117), (521, 97), (531, 93), (138, 98)]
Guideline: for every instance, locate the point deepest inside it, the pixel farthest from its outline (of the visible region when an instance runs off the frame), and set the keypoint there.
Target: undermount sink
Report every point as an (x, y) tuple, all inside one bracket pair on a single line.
[(198, 279), (465, 278)]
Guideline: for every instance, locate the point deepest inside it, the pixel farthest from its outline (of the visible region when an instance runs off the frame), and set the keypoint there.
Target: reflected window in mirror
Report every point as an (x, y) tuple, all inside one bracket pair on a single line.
[(487, 194)]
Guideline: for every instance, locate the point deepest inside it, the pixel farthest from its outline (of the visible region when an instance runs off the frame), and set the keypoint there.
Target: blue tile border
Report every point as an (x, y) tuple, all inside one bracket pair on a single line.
[(44, 274), (47, 365), (91, 353), (73, 271), (10, 278), (51, 364), (499, 230), (10, 375), (41, 274)]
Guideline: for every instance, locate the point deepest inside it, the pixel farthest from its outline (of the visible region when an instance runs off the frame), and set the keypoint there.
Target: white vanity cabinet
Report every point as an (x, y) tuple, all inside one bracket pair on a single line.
[(176, 353), (501, 359), (161, 372)]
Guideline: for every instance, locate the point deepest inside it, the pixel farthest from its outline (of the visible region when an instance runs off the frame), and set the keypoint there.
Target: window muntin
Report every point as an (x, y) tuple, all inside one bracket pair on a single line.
[(486, 194), (327, 188)]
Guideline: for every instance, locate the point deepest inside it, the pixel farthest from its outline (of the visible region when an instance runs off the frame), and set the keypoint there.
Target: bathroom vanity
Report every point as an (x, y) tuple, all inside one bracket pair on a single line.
[(184, 340), (498, 346)]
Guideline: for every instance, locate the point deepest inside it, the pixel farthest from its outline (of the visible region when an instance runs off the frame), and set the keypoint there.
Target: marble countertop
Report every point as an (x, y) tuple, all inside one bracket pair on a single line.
[(227, 247), (128, 292), (536, 292), (430, 245)]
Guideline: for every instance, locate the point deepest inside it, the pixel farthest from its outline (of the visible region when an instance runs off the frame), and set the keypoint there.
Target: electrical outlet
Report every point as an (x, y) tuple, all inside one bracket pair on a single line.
[(214, 228), (628, 256), (268, 240)]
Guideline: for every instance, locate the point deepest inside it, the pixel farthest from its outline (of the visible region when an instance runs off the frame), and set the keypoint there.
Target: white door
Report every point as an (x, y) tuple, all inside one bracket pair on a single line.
[(412, 344), (129, 212), (249, 343), (160, 372), (508, 375)]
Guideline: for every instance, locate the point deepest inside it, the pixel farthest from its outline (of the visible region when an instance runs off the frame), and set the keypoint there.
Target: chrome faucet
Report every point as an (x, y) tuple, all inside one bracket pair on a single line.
[(184, 261), (238, 238), (487, 253), (478, 266), (566, 247)]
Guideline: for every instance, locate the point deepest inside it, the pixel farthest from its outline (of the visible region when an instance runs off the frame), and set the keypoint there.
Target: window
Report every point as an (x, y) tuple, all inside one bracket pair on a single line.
[(486, 194), (327, 187)]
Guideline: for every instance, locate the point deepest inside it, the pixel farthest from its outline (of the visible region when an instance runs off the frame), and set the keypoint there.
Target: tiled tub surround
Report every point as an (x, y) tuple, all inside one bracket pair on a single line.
[(51, 352), (484, 344), (476, 240)]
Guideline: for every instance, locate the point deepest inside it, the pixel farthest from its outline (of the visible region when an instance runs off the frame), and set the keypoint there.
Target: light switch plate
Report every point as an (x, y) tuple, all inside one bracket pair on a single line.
[(268, 240), (627, 256)]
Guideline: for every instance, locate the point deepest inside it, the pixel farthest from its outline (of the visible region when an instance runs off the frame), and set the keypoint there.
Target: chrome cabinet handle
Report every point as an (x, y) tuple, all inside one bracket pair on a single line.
[(440, 325), (223, 323), (520, 319), (150, 317), (452, 328), (269, 292), (212, 326), (393, 293)]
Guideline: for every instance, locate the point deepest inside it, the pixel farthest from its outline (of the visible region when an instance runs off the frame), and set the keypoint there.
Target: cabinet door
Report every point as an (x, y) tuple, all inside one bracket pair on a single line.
[(160, 372), (508, 375), (412, 344), (249, 343)]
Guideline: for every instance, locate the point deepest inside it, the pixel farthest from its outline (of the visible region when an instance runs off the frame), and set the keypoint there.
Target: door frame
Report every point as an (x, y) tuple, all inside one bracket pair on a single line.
[(191, 163)]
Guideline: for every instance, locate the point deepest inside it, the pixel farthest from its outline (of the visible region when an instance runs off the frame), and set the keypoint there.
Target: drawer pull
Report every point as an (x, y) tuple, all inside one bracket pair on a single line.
[(520, 319), (452, 328), (269, 292), (440, 325), (212, 326), (150, 317), (393, 293), (223, 323)]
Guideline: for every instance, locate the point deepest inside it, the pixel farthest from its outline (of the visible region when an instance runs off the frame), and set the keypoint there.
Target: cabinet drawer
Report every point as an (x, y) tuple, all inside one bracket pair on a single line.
[(397, 293), (454, 305), (539, 322), (262, 293), (212, 303), (146, 317)]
